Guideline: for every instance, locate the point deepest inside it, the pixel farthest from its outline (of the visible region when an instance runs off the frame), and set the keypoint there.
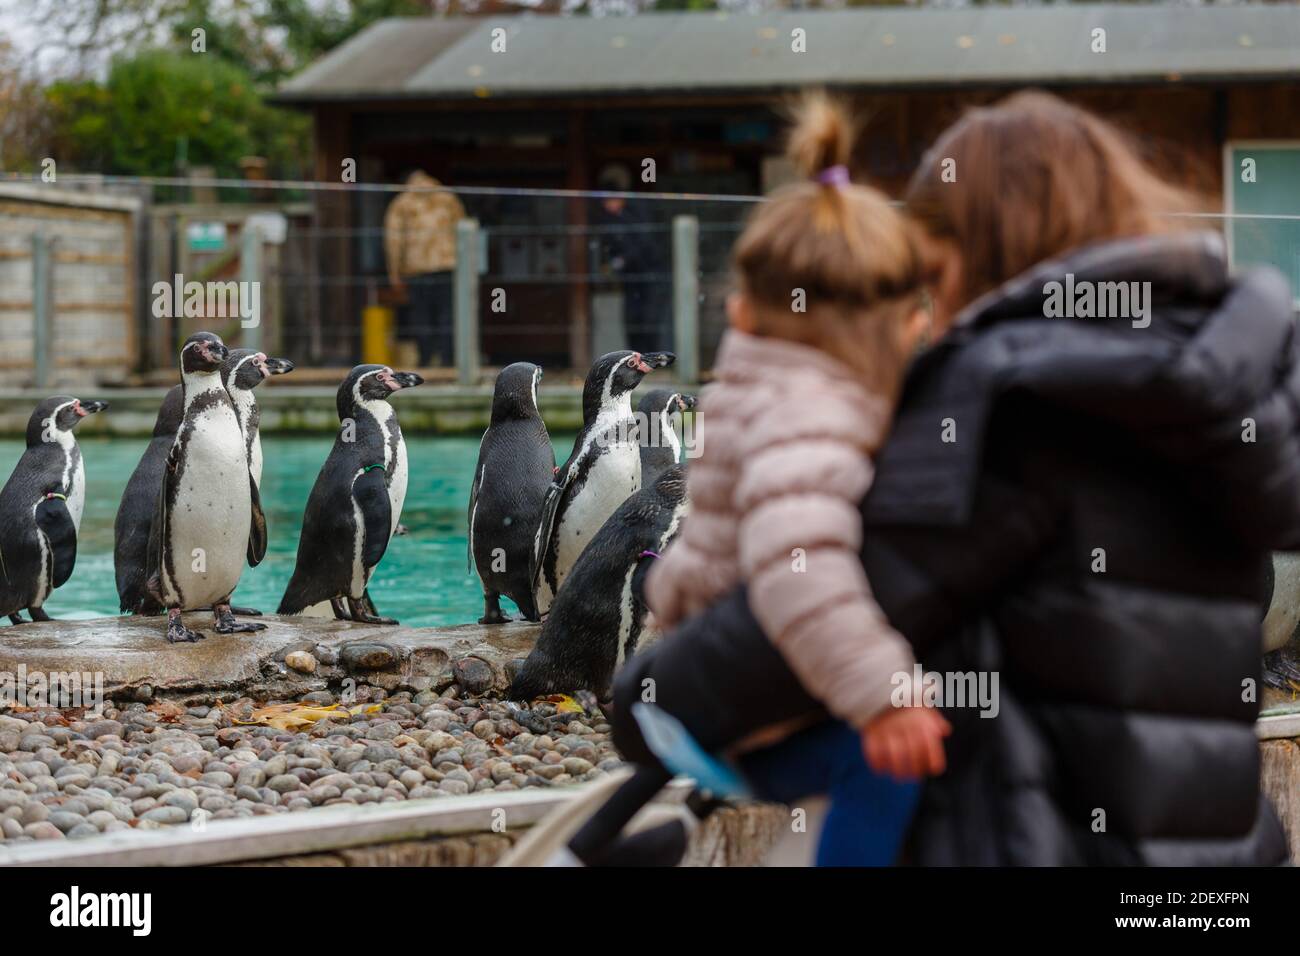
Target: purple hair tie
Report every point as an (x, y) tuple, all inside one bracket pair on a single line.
[(837, 175), (647, 554)]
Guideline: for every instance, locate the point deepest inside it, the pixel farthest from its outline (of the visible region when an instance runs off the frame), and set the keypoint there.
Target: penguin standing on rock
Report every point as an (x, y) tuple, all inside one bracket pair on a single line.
[(356, 502), (661, 448), (516, 463), (242, 371), (40, 508), (598, 618), (604, 468), (135, 512), (209, 515)]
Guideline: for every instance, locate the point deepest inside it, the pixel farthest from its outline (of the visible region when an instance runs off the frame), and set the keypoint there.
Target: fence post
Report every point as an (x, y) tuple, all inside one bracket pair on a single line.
[(250, 271), (686, 297), (42, 308), (465, 330)]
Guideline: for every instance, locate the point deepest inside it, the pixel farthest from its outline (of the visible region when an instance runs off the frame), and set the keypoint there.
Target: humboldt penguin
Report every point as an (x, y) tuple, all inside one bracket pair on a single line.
[(598, 618), (516, 463), (40, 508), (604, 468), (241, 372), (135, 512), (209, 516), (356, 502), (657, 417)]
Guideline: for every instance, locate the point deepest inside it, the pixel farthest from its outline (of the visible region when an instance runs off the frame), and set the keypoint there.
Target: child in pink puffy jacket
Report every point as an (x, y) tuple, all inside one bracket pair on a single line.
[(827, 314)]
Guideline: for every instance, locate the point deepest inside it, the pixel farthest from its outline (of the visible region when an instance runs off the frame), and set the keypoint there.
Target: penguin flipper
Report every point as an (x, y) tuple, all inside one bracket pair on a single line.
[(469, 521), (546, 528), (55, 522), (159, 531), (257, 527), (370, 492)]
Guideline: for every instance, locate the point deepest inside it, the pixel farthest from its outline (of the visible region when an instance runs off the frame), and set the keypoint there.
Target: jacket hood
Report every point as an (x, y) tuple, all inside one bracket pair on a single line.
[(1200, 370)]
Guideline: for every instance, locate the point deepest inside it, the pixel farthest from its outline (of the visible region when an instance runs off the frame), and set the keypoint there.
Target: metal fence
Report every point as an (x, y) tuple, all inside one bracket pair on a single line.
[(101, 280), (100, 288)]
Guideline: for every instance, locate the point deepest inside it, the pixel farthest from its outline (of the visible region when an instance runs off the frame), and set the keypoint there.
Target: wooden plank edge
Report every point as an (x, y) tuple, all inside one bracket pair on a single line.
[(1277, 726), (293, 834), (311, 831)]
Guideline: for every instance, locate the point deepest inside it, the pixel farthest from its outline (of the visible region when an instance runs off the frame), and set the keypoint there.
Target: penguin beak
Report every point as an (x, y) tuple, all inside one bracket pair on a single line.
[(219, 353), (686, 402), (652, 360), (89, 408), (279, 366), (404, 380)]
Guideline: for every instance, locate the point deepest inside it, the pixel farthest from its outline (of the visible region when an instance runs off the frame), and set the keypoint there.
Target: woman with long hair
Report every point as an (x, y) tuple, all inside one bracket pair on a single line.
[(1072, 518)]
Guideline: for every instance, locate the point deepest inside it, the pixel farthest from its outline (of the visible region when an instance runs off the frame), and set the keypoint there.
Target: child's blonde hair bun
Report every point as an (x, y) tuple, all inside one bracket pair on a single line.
[(822, 135), (829, 263)]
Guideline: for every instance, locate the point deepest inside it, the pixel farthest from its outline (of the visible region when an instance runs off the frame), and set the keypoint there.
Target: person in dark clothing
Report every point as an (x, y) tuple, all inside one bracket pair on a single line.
[(1079, 499), (633, 255)]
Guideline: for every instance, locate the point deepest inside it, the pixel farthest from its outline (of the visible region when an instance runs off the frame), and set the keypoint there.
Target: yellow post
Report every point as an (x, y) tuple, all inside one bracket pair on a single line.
[(377, 335)]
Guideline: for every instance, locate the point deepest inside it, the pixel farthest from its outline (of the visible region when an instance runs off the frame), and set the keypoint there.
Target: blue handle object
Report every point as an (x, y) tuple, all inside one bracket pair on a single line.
[(677, 750)]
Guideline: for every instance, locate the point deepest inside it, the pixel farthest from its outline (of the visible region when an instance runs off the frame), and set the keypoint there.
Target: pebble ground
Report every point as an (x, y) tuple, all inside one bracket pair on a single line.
[(69, 775)]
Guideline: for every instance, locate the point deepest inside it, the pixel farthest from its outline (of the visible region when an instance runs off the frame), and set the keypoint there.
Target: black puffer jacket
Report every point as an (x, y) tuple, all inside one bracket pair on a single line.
[(1123, 735)]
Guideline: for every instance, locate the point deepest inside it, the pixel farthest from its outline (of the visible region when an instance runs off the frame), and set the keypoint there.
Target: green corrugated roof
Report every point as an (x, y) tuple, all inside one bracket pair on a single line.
[(861, 47)]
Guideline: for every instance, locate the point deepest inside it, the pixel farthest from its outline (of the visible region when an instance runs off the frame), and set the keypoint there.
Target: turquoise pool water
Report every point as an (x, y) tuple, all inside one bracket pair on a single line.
[(422, 579)]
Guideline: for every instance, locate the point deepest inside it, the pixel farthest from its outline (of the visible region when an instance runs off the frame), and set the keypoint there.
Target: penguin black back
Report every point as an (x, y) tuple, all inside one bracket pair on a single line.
[(516, 463), (135, 512), (597, 618), (364, 474)]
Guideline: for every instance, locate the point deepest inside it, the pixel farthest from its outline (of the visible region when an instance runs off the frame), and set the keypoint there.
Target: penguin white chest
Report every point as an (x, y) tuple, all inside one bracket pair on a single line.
[(255, 459), (394, 456), (614, 474), (210, 516), (397, 487), (76, 485)]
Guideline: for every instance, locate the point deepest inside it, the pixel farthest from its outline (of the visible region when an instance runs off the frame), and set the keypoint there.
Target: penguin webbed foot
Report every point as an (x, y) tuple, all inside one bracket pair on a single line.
[(38, 614), (226, 623), (178, 633), (363, 611), (492, 613), (17, 618)]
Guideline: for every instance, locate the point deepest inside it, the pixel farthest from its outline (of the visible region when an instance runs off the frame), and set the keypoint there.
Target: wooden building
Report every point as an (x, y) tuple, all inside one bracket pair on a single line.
[(67, 287), (542, 102)]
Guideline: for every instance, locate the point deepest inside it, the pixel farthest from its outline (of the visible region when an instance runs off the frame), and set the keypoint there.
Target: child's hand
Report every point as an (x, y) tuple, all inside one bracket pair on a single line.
[(906, 742)]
